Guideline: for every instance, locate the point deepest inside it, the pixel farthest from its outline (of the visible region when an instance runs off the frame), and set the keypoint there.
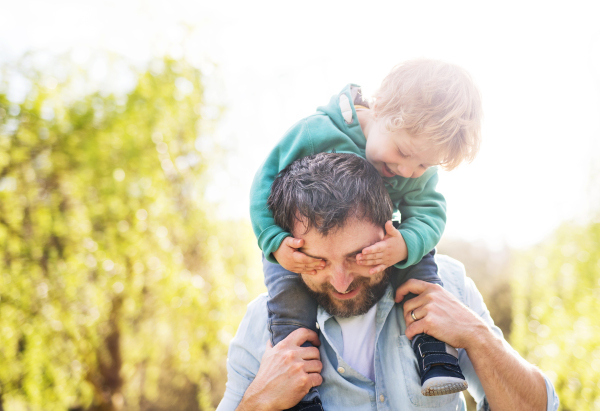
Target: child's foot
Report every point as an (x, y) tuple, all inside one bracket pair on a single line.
[(438, 366)]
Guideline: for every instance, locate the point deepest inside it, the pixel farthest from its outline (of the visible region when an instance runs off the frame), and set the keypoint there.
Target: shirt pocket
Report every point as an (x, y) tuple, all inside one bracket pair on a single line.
[(412, 379)]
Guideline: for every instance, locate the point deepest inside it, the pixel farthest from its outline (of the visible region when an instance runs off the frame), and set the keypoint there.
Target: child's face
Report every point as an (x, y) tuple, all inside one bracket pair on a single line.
[(397, 153)]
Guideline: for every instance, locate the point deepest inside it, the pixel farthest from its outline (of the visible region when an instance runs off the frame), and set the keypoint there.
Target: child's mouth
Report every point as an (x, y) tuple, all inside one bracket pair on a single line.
[(387, 172)]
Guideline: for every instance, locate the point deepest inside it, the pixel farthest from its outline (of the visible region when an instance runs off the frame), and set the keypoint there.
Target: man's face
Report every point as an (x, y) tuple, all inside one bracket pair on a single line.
[(343, 287)]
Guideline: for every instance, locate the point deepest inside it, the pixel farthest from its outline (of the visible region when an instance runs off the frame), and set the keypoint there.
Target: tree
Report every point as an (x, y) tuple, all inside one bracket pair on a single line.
[(118, 287), (556, 290)]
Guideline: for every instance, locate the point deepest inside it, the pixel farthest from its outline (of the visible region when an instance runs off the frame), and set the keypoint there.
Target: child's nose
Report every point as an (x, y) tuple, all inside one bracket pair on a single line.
[(405, 171)]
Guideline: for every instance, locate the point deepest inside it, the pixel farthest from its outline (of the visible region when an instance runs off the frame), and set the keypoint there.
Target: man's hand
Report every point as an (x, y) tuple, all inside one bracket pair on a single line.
[(287, 372), (295, 261), (510, 383), (389, 251), (439, 314)]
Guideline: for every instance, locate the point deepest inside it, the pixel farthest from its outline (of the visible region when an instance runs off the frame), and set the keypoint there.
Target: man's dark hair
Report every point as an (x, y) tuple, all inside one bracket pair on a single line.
[(325, 190)]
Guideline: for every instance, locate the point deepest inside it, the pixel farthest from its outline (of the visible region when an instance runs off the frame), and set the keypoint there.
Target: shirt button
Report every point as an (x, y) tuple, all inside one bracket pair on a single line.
[(318, 328), (381, 398), (341, 370)]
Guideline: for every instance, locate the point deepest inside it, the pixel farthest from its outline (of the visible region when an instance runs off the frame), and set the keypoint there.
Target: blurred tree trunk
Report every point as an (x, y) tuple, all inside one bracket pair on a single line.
[(106, 379)]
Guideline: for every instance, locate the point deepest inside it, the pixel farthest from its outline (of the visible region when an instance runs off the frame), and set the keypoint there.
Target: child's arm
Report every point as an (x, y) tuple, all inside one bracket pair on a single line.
[(278, 245), (423, 213)]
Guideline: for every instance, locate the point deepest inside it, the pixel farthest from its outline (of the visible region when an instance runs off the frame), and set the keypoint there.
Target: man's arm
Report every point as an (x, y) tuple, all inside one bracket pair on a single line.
[(509, 382), (264, 379), (287, 372)]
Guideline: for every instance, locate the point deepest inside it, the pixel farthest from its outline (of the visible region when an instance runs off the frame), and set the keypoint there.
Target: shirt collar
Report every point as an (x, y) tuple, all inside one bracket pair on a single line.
[(384, 306)]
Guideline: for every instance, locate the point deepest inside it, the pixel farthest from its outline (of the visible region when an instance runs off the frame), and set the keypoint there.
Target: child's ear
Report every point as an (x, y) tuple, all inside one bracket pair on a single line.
[(374, 109)]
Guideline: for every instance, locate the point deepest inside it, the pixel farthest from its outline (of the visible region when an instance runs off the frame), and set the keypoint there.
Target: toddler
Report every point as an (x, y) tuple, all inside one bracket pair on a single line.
[(426, 113)]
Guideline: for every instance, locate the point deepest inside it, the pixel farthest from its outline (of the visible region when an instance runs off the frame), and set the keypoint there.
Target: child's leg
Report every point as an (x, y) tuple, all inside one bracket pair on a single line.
[(424, 270), (290, 307), (438, 361)]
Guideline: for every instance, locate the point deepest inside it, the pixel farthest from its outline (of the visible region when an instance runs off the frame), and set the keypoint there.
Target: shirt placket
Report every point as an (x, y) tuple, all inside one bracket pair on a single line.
[(384, 307)]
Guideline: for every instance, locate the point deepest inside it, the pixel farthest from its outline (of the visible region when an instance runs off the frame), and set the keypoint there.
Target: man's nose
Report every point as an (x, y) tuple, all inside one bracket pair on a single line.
[(341, 278)]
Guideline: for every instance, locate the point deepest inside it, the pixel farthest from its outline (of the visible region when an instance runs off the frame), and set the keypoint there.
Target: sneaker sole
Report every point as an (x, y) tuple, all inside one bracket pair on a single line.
[(443, 386)]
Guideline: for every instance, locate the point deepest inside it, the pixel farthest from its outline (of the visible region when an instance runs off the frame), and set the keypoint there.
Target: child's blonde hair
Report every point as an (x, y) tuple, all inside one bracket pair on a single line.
[(434, 100)]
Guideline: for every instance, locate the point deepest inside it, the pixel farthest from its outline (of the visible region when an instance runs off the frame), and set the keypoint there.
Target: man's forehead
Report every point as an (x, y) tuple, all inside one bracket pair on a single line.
[(354, 234)]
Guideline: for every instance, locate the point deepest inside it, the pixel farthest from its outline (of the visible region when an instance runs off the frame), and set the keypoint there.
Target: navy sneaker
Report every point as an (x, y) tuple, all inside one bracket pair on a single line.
[(438, 366), (313, 405)]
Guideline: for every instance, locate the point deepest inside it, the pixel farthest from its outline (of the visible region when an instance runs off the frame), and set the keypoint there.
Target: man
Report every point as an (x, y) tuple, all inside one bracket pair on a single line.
[(365, 359)]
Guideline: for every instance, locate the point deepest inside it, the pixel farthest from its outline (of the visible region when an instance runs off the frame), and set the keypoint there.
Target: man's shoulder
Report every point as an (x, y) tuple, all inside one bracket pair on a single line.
[(453, 274), (258, 306), (450, 266), (252, 333)]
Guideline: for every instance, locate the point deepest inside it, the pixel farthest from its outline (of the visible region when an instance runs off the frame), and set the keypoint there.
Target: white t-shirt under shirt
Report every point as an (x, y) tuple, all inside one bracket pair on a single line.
[(358, 334)]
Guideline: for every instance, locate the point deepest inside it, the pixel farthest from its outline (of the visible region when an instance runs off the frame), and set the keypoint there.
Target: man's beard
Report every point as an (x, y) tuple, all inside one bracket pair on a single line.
[(359, 305)]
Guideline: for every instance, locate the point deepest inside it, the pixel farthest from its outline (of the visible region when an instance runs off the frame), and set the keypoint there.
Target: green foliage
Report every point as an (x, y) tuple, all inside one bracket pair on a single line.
[(557, 305), (118, 288)]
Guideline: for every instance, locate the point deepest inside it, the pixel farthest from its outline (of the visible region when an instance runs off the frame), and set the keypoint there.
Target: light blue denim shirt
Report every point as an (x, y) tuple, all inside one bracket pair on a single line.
[(397, 382)]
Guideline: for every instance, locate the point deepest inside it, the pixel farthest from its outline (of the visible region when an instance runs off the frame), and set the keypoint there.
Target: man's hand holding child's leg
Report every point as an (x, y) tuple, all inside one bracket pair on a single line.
[(287, 372)]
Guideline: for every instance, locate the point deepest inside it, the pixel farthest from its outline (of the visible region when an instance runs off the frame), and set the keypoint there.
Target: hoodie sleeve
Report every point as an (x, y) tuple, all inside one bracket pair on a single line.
[(294, 145), (423, 216)]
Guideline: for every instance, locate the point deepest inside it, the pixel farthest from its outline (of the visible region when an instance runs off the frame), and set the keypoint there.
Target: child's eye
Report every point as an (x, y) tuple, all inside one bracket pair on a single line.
[(402, 154)]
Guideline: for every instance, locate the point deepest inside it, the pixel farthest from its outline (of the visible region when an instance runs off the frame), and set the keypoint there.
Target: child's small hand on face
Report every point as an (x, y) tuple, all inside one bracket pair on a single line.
[(389, 251), (296, 261)]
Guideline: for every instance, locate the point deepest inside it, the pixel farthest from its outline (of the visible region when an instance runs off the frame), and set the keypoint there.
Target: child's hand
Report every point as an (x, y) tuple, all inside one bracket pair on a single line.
[(295, 261), (389, 251)]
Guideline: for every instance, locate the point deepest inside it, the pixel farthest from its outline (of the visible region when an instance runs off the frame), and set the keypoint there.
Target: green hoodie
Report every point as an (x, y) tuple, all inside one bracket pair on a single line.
[(422, 208)]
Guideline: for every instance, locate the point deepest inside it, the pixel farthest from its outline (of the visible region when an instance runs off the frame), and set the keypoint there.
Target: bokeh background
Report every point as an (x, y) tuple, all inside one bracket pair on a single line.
[(129, 135)]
